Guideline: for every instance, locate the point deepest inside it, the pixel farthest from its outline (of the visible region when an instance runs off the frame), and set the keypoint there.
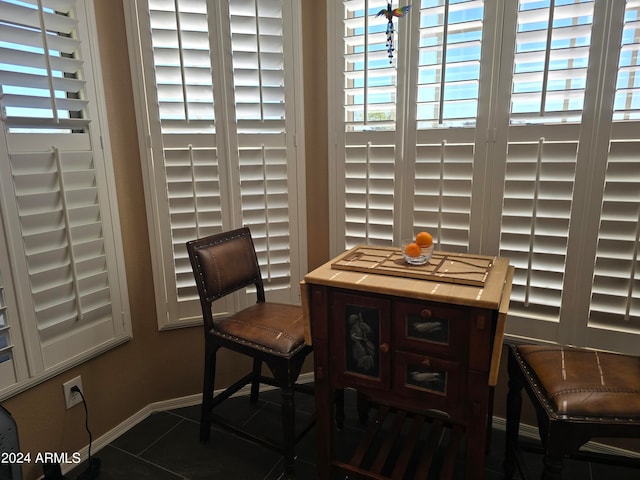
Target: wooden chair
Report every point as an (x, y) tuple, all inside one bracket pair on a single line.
[(269, 333), (578, 394)]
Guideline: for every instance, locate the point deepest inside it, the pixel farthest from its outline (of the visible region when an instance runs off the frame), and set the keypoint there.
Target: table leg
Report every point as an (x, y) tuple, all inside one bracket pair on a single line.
[(479, 396), (324, 397)]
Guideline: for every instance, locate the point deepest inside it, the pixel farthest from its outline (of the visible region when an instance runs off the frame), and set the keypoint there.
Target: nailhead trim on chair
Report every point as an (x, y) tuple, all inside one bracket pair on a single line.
[(272, 330), (258, 345)]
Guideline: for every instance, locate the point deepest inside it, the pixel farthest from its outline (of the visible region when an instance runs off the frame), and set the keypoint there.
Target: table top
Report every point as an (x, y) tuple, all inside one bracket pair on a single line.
[(488, 295)]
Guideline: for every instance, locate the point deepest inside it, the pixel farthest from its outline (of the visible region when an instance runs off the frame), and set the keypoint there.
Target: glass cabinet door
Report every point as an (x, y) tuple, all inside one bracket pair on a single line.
[(431, 328), (361, 339)]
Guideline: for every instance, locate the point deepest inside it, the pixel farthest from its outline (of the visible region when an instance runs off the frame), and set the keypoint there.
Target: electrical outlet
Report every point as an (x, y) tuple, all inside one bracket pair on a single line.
[(72, 398)]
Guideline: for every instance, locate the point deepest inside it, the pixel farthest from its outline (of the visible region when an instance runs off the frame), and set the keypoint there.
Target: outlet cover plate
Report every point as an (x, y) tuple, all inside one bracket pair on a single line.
[(72, 398)]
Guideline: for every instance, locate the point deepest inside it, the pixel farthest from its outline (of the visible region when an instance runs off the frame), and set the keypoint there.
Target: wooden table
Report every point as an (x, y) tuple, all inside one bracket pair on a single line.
[(425, 349)]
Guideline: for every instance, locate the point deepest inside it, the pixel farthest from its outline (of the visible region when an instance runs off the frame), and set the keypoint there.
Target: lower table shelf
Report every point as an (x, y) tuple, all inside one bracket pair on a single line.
[(401, 445)]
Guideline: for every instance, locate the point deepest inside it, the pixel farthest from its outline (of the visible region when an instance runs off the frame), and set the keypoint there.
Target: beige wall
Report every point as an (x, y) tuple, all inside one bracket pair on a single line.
[(314, 24)]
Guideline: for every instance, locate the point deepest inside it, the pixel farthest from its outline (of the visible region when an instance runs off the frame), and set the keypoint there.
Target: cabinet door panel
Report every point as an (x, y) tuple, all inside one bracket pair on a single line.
[(360, 339), (432, 328), (435, 382)]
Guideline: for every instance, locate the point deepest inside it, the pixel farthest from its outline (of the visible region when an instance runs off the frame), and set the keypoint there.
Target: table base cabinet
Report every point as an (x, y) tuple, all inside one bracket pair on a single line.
[(425, 360)]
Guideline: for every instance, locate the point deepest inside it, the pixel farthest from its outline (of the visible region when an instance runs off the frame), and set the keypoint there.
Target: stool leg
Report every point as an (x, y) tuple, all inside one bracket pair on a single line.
[(288, 425), (514, 409), (559, 439), (552, 466)]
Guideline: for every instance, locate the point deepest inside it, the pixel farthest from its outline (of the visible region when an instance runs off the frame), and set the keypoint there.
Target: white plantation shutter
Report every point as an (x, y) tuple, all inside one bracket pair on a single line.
[(627, 96), (523, 143), (552, 46), (576, 165), (368, 103), (403, 172), (13, 365), (265, 208), (615, 300), (179, 34), (536, 211), (184, 141), (448, 63), (449, 42), (257, 44), (551, 59), (41, 85), (262, 127), (442, 191), (7, 365), (57, 191), (615, 297), (220, 111), (369, 182), (61, 223), (370, 85)]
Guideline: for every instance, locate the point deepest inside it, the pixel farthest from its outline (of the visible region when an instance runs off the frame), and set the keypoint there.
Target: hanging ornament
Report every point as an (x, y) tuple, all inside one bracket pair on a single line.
[(389, 13)]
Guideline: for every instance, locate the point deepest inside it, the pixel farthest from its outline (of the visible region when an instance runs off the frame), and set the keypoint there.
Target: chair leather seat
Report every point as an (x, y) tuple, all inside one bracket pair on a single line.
[(276, 327), (586, 383)]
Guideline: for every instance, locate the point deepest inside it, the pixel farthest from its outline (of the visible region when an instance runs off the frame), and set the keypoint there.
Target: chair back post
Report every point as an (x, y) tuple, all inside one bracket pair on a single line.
[(222, 264)]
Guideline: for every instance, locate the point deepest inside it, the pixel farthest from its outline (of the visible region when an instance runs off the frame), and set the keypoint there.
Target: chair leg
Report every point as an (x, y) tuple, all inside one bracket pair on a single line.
[(288, 426), (255, 383), (207, 394), (285, 374), (514, 409)]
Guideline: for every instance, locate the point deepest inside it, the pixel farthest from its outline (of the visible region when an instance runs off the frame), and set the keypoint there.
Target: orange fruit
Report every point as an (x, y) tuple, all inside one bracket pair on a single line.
[(424, 239), (413, 250)]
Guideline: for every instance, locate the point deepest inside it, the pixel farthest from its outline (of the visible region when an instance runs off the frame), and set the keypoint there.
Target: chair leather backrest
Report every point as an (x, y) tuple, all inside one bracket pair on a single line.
[(224, 263)]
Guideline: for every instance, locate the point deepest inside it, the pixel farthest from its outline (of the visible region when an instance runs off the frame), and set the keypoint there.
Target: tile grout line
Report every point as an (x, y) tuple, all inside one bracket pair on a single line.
[(159, 438), (148, 462)]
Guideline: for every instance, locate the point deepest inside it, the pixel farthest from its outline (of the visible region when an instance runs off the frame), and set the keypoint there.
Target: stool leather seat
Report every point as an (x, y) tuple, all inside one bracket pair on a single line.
[(578, 394), (581, 382)]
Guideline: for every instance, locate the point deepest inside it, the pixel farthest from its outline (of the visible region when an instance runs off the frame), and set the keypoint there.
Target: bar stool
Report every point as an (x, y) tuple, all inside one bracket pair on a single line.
[(578, 394)]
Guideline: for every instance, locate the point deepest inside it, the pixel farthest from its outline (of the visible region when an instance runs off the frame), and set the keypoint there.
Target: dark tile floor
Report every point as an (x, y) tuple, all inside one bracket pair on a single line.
[(166, 446)]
